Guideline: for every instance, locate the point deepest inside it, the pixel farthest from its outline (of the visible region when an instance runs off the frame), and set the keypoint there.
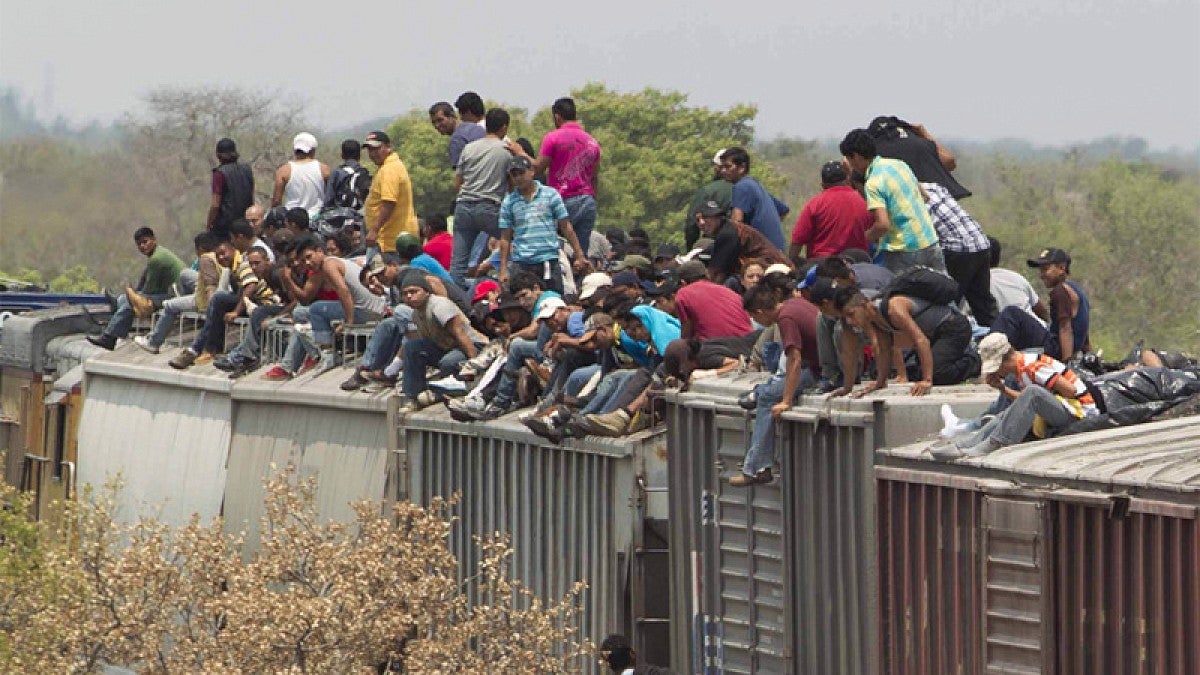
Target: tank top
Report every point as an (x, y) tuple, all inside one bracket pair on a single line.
[(363, 298), (306, 187)]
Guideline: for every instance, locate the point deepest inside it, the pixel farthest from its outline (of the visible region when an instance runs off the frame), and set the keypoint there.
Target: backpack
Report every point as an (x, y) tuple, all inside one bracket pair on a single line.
[(922, 282), (352, 191)]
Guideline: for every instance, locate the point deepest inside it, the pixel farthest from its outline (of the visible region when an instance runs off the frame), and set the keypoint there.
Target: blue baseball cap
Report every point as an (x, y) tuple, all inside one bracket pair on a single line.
[(810, 278)]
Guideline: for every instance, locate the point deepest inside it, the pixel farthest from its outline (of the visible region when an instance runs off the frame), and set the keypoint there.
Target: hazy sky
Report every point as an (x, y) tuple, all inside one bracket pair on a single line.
[(1051, 71)]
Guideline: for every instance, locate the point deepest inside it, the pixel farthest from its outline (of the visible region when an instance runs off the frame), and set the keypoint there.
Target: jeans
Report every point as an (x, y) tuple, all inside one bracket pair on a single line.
[(761, 453), (171, 309), (249, 348), (323, 313), (471, 218), (930, 256), (578, 379), (581, 210), (518, 351), (1012, 425), (607, 392), (479, 250), (1024, 331), (549, 273), (387, 339), (829, 332), (186, 283), (300, 346), (212, 335), (122, 319), (419, 354), (568, 362)]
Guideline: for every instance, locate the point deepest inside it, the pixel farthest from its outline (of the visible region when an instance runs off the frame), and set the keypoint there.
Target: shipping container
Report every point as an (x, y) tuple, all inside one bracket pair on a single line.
[(782, 578), (1065, 556)]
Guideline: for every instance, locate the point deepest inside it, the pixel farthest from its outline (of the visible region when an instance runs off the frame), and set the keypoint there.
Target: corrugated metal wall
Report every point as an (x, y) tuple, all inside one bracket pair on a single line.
[(570, 510)]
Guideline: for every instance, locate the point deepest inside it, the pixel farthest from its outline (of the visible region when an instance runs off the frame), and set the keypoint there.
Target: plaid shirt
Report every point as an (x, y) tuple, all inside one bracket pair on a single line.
[(957, 231)]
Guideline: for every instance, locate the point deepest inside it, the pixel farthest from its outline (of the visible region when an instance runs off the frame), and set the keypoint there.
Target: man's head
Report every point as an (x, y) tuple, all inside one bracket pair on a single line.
[(526, 288), (496, 122), (408, 246), (858, 147), (822, 294), (618, 653), (601, 325), (627, 284), (254, 215), (692, 271), (833, 174), (378, 145), (520, 171), (631, 325), (735, 164), (762, 304), (835, 267), (415, 289), (227, 151), (241, 235), (435, 224), (1053, 266), (384, 272), (443, 118), (665, 257), (470, 106), (563, 111), (260, 262), (554, 312), (351, 150), (853, 306), (638, 264), (592, 284), (297, 221), (205, 242), (710, 217), (225, 254), (304, 145), (663, 297), (997, 356), (752, 273), (146, 242), (311, 251)]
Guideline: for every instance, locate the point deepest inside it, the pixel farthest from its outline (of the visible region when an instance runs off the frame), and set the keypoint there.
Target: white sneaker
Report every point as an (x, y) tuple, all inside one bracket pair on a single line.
[(449, 385), (144, 342), (953, 426)]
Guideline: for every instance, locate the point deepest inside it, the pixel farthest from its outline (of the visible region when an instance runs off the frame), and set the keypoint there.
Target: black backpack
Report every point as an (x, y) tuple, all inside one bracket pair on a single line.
[(924, 283), (352, 191)]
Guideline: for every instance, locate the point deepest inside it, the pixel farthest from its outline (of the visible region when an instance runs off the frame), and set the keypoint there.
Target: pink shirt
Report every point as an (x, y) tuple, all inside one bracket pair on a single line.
[(574, 156)]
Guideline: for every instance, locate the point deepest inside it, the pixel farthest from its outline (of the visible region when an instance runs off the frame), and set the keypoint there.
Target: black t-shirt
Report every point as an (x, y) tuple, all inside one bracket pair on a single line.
[(726, 250), (713, 352), (920, 154)]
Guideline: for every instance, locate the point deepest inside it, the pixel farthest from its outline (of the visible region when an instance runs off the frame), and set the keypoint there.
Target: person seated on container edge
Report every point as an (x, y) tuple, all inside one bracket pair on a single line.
[(902, 226), (1010, 289), (531, 217), (244, 357), (795, 370), (1070, 312), (409, 252), (444, 339), (161, 271), (940, 335), (965, 249), (439, 243), (1048, 397), (707, 310), (834, 220), (354, 304), (622, 659), (204, 283)]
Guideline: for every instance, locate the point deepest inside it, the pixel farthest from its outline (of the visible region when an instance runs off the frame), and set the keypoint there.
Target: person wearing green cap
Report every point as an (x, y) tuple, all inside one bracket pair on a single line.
[(408, 249)]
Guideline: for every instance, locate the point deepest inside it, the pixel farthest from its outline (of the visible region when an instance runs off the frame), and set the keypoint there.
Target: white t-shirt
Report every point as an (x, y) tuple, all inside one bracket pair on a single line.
[(1011, 289)]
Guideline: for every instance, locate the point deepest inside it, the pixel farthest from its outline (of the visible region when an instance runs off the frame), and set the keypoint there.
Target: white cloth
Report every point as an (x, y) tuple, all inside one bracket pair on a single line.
[(1011, 289), (306, 187)]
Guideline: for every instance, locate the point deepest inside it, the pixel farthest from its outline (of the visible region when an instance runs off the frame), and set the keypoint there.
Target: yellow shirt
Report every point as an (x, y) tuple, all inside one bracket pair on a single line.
[(391, 184)]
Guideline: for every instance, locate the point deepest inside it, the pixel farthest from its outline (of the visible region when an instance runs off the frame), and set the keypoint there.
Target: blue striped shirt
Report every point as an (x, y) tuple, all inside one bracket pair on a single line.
[(534, 223)]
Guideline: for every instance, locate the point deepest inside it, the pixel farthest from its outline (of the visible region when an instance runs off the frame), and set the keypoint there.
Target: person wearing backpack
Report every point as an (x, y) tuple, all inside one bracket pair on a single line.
[(914, 311), (348, 184)]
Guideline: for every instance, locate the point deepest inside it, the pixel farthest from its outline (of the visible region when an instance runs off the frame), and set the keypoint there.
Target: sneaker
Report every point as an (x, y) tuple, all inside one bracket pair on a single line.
[(540, 371), (183, 360), (327, 362), (465, 409), (613, 424), (103, 341), (203, 358), (640, 422), (224, 363), (244, 366), (945, 450), (310, 362), (980, 449), (952, 425), (493, 410), (356, 381), (549, 426), (407, 406), (376, 386), (233, 361), (276, 374), (749, 400), (449, 385), (762, 477), (429, 397), (145, 343)]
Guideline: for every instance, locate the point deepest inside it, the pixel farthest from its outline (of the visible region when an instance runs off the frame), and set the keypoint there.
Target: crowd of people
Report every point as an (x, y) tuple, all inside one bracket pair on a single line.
[(527, 303)]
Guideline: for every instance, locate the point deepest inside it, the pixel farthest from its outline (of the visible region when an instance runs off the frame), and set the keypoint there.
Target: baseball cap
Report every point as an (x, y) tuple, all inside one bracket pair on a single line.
[(482, 289), (711, 208), (376, 139), (821, 289), (519, 163), (549, 306), (304, 142), (692, 270), (407, 240), (1050, 256), (810, 278), (666, 251), (992, 350), (507, 301), (777, 267), (226, 145), (717, 157), (631, 262), (665, 288), (592, 283), (377, 265), (833, 172), (626, 278)]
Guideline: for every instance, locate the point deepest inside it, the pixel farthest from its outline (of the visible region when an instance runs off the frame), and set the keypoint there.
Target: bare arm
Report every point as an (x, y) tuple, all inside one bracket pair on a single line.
[(282, 175), (505, 250), (334, 271), (944, 155), (1041, 310), (214, 208), (564, 227), (900, 312), (883, 223), (791, 381), (385, 212), (458, 183), (458, 327)]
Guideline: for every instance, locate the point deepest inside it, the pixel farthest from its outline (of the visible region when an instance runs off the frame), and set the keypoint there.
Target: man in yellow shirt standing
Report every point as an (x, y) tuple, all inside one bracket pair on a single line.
[(389, 206)]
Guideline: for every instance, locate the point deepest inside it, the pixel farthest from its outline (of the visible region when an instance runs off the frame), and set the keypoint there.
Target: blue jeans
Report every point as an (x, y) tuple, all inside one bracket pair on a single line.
[(607, 391), (419, 354), (249, 347), (578, 379), (171, 309), (761, 453), (581, 210), (470, 220), (212, 335), (387, 339), (518, 351), (122, 319)]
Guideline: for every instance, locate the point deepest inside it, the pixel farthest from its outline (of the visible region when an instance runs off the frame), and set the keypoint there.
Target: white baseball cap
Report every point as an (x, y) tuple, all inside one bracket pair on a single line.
[(549, 306), (304, 142)]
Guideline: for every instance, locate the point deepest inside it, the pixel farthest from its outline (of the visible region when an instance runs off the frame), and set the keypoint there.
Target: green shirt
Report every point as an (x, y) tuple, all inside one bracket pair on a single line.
[(161, 271)]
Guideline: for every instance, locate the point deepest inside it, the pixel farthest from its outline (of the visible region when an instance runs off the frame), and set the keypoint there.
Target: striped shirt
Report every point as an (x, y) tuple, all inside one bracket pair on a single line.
[(891, 185), (263, 294), (957, 231), (534, 223), (1044, 371)]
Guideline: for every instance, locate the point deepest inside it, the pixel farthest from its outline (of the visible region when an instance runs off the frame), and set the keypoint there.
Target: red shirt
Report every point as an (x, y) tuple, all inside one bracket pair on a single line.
[(797, 323), (833, 221), (713, 310), (440, 247)]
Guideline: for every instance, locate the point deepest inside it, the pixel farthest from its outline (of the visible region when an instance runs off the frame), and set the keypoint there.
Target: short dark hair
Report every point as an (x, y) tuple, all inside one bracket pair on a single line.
[(847, 296), (142, 233), (308, 243), (737, 156), (469, 102), (205, 241), (351, 149), (761, 296), (993, 252), (495, 120), (343, 240), (833, 267), (858, 142), (639, 233), (564, 108), (261, 251), (241, 227), (780, 283), (298, 216), (436, 223), (443, 107), (524, 281), (624, 309)]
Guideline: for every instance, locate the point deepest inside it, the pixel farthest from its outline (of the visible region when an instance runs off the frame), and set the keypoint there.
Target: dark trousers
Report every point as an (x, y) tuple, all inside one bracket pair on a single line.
[(1026, 332), (211, 337), (569, 360), (953, 360), (549, 273), (974, 277)]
